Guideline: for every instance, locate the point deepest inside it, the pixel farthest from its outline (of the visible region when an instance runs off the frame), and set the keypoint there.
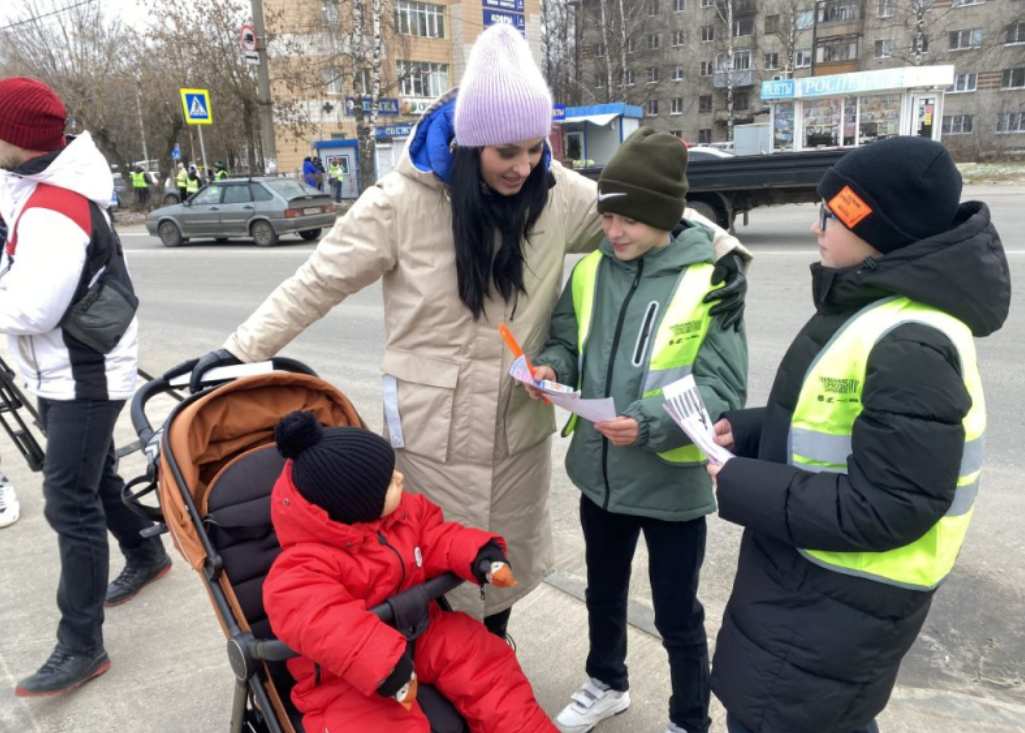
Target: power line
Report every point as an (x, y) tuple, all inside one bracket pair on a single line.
[(34, 18)]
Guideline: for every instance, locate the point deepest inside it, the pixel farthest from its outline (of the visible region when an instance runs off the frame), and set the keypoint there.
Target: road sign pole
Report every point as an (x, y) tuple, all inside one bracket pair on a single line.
[(202, 149)]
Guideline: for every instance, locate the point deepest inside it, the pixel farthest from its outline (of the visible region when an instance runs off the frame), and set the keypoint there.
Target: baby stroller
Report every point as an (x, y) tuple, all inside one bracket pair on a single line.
[(213, 465)]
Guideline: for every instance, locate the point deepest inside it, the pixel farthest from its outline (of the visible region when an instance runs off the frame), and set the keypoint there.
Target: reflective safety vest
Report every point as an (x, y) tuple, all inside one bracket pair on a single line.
[(336, 172), (823, 421), (673, 349), (183, 179), (139, 180), (192, 187), (221, 176)]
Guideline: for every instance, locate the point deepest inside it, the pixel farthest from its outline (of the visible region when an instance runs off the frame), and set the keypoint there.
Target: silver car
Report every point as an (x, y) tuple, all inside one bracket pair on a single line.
[(261, 209)]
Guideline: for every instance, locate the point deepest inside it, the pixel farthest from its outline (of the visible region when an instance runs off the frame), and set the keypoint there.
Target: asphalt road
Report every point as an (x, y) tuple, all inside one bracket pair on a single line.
[(968, 667)]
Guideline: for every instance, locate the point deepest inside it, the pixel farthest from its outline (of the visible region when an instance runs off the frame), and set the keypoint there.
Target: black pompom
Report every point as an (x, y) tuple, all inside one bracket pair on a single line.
[(296, 432)]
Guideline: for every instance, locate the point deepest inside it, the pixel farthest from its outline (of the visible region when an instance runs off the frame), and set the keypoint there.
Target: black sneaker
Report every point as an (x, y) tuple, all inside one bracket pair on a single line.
[(63, 673), (133, 579)]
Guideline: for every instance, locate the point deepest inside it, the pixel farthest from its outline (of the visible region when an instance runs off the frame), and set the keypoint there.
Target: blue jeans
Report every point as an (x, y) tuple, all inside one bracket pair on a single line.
[(735, 726), (83, 501), (336, 186)]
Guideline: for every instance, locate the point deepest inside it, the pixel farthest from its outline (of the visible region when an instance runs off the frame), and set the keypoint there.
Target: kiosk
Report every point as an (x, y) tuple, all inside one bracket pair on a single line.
[(593, 134), (848, 110)]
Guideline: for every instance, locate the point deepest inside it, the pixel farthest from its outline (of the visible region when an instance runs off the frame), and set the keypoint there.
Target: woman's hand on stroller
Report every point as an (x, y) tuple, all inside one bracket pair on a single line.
[(199, 367), (401, 684), (492, 566)]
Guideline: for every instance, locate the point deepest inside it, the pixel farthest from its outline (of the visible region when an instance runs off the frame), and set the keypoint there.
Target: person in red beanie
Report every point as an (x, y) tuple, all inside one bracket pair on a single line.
[(54, 194)]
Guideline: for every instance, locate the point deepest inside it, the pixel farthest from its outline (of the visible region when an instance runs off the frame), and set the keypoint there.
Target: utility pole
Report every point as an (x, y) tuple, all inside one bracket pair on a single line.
[(270, 153)]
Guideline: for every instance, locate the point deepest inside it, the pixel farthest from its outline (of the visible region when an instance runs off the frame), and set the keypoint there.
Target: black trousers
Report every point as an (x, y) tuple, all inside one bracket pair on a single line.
[(83, 500), (676, 551), (735, 726)]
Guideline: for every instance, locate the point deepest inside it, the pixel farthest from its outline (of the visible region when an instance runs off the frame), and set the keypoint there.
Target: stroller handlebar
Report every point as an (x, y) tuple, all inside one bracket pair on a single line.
[(170, 383), (272, 650)]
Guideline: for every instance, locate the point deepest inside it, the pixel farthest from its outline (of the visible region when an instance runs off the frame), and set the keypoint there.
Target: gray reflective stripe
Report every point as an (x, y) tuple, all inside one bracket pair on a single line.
[(660, 379), (971, 460), (862, 574), (964, 499), (815, 468), (391, 411), (818, 446)]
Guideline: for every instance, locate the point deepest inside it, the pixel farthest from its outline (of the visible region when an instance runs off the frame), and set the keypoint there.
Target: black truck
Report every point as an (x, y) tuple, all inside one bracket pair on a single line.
[(723, 188)]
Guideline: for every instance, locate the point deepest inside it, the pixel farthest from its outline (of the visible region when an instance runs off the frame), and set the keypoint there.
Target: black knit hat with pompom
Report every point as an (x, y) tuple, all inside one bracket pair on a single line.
[(345, 471)]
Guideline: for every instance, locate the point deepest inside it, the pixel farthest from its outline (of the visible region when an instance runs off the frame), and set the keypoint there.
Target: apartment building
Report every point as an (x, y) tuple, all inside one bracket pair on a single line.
[(425, 49), (692, 65)]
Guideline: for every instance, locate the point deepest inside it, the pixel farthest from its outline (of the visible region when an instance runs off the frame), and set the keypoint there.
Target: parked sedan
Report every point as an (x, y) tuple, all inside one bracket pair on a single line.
[(261, 209)]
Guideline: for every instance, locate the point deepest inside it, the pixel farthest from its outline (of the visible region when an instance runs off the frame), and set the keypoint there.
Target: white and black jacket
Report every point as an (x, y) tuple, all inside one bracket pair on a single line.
[(55, 207)]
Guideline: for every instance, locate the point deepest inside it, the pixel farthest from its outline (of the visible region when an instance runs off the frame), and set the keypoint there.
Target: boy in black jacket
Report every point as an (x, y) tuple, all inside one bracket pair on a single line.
[(857, 482)]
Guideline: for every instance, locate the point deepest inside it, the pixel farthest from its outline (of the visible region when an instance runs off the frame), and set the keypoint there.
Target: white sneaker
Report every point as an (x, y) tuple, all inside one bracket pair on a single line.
[(674, 728), (10, 509), (591, 705)]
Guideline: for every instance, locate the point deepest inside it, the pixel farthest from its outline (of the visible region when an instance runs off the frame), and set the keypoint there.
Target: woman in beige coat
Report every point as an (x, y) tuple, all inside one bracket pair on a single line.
[(463, 435)]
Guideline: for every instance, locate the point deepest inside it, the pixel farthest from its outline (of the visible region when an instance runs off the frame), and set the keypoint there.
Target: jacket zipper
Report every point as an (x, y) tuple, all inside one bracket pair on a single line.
[(608, 376), (384, 541)]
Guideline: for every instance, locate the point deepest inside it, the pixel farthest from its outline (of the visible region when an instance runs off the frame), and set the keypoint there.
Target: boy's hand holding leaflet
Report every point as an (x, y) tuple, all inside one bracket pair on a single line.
[(563, 396), (685, 406)]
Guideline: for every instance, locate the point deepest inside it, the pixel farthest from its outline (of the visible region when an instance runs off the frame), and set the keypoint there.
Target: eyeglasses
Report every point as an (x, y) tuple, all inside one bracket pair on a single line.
[(824, 215)]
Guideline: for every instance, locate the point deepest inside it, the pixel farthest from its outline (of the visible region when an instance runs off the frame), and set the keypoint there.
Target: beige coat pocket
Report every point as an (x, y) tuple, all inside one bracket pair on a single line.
[(419, 392)]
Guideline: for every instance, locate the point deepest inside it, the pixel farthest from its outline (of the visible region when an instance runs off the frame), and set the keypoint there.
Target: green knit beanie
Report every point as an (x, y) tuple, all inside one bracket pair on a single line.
[(646, 180)]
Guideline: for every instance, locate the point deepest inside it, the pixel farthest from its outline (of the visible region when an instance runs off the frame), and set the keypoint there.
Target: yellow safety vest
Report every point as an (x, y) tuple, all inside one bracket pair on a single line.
[(823, 421), (183, 179), (675, 346), (336, 172), (221, 176), (139, 180), (193, 186)]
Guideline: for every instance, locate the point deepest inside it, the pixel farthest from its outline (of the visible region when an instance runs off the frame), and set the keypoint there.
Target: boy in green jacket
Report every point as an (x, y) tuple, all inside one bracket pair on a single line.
[(630, 321)]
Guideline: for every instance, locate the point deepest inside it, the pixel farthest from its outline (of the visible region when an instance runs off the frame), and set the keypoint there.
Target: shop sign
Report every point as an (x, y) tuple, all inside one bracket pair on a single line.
[(859, 82), (498, 17), (412, 106), (393, 131), (385, 106), (514, 6)]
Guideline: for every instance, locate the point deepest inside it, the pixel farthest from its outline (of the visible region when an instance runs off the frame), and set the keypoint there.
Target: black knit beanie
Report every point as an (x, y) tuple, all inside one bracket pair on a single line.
[(894, 192), (646, 180), (345, 471)]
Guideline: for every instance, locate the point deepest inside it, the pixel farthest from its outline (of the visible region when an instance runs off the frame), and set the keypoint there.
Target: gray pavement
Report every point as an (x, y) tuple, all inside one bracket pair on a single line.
[(169, 668)]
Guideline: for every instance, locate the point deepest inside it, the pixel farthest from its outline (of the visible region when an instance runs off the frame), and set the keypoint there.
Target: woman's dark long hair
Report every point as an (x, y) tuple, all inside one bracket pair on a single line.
[(478, 213)]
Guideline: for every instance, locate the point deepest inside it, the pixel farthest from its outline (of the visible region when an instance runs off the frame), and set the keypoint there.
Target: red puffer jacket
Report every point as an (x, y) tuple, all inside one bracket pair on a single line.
[(328, 575)]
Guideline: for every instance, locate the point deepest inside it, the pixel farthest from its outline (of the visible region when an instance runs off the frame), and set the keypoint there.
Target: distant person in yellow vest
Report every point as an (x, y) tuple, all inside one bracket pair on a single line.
[(335, 176), (221, 173), (140, 182), (182, 181), (633, 319), (194, 183), (857, 482)]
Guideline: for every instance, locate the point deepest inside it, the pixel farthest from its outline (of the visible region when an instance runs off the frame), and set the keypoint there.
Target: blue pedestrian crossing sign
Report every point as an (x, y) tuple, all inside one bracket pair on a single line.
[(196, 105)]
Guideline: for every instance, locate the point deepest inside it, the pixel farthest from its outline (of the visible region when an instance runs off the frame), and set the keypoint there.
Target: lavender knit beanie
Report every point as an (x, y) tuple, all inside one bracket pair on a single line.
[(503, 97)]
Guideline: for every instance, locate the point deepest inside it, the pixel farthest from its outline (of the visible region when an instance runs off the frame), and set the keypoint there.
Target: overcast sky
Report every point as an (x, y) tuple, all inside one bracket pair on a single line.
[(132, 12)]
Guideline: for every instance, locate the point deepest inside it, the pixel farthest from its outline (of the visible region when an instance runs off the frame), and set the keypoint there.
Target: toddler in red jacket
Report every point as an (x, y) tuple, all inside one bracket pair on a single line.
[(350, 540)]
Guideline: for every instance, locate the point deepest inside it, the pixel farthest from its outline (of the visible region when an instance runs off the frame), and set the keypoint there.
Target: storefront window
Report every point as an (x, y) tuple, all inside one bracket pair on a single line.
[(783, 126), (880, 117), (850, 120), (821, 123)]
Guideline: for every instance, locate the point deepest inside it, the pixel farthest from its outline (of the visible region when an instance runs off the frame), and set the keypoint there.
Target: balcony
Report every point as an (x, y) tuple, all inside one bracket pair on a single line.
[(741, 78)]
